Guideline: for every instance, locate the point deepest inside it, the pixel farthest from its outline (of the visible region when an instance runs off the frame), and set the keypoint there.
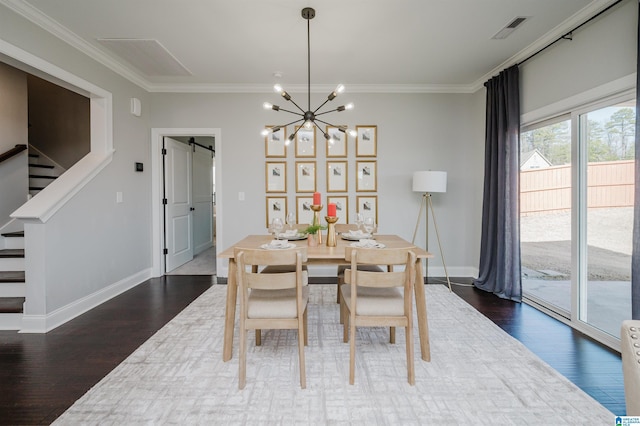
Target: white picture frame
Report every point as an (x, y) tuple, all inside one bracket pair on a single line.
[(367, 141), (368, 206), (304, 214), (276, 176), (339, 147), (276, 208), (367, 176), (305, 176), (337, 176)]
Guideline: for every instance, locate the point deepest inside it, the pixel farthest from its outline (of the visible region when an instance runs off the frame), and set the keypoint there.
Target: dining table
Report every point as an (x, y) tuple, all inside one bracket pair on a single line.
[(324, 255)]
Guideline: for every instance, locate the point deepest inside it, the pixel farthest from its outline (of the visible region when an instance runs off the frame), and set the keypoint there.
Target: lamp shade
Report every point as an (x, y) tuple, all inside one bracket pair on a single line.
[(430, 181)]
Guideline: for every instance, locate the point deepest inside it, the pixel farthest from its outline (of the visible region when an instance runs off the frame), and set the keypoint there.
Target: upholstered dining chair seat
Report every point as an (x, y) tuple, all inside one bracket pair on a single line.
[(376, 301), (277, 269), (270, 304)]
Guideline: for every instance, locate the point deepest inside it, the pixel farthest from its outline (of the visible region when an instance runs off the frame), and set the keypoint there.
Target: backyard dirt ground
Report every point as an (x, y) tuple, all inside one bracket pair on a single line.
[(546, 247)]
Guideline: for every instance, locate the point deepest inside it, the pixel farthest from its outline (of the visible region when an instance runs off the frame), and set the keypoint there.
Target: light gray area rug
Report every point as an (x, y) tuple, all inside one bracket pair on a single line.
[(478, 374)]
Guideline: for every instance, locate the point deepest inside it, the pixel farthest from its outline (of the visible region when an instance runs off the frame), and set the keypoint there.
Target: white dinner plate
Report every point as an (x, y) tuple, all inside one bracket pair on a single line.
[(352, 237), (367, 244)]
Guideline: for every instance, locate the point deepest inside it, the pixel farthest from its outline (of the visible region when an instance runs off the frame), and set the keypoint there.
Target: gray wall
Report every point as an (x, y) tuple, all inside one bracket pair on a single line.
[(600, 52), (415, 132)]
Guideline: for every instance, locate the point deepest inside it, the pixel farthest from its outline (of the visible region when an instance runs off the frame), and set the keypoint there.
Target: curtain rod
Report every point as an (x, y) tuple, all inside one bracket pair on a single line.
[(569, 35)]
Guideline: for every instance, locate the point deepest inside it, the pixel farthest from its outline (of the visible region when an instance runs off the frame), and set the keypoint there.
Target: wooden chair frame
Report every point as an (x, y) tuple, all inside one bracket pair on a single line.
[(249, 279), (379, 280)]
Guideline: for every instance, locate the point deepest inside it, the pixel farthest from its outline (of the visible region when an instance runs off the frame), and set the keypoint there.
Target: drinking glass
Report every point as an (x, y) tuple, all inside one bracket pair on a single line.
[(291, 219), (276, 226), (369, 225), (359, 220)]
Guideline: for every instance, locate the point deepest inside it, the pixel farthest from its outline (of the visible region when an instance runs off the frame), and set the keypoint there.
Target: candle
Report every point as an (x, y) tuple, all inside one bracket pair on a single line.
[(331, 209), (316, 199)]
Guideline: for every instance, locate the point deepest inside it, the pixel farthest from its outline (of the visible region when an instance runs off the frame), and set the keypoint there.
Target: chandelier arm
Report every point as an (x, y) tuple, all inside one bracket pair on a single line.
[(326, 112), (297, 106), (325, 134), (291, 112), (293, 122), (324, 122), (317, 109)]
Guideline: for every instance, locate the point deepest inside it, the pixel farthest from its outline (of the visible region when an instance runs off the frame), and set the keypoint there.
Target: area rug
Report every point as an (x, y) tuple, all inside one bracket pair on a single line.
[(478, 374)]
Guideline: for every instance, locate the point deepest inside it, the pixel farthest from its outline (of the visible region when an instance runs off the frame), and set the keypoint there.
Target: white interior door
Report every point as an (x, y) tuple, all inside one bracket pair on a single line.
[(179, 217), (202, 199)]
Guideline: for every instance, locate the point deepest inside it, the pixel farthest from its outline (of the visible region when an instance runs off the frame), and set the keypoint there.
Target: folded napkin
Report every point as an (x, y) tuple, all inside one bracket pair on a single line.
[(367, 243), (288, 233), (358, 234), (276, 244)]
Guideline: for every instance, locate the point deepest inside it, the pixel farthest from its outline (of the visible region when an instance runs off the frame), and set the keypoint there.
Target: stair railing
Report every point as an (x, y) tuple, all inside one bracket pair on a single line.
[(12, 152)]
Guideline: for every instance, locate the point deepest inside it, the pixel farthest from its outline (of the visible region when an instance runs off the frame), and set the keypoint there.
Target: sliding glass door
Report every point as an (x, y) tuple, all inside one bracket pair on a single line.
[(576, 215), (608, 137)]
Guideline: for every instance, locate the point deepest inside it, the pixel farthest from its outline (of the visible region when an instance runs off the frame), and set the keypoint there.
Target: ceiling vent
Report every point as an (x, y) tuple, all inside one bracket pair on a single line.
[(147, 55), (510, 27)]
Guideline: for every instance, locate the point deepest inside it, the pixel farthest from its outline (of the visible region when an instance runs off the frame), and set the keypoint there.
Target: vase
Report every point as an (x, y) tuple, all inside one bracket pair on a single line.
[(312, 240)]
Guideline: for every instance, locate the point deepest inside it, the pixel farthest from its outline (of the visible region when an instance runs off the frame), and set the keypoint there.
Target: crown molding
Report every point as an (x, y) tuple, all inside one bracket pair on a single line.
[(45, 22)]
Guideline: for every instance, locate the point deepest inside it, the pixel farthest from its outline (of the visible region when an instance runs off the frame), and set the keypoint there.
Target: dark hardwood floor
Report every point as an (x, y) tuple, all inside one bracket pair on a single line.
[(41, 375)]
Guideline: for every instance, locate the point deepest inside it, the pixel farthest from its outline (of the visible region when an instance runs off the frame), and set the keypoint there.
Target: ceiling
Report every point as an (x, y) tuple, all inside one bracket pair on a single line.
[(369, 45)]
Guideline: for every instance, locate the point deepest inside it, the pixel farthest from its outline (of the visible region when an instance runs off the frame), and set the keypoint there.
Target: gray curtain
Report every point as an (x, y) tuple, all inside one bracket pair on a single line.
[(500, 243), (635, 256)]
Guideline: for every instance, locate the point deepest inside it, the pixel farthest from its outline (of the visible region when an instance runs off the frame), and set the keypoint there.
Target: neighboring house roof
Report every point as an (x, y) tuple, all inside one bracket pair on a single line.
[(533, 160)]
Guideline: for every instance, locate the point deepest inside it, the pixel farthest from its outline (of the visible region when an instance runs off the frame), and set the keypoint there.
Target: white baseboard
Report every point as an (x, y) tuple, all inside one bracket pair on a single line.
[(45, 323)]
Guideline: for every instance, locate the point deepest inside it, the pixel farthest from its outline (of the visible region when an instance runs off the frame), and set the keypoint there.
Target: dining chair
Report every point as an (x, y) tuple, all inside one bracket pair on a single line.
[(348, 227), (374, 299), (274, 300)]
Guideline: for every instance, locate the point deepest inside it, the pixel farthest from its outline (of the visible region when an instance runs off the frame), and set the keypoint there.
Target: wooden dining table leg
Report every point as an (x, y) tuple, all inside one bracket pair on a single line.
[(230, 311), (421, 310)]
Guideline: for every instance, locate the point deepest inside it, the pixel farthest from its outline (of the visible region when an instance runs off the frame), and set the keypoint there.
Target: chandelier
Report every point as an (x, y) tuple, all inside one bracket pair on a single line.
[(308, 118)]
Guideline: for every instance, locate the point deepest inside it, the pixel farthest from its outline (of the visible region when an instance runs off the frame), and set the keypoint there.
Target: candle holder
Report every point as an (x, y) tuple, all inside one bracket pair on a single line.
[(331, 233), (316, 219)]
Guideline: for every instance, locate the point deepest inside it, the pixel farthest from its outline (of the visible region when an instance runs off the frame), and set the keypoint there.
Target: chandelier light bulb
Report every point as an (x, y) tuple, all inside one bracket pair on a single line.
[(352, 133), (265, 132), (267, 105), (277, 88), (307, 124), (339, 89), (349, 106)]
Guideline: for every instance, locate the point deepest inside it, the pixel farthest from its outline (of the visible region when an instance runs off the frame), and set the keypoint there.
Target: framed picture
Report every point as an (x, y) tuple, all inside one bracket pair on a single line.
[(337, 176), (342, 207), (306, 142), (367, 141), (305, 176), (276, 176), (368, 206), (304, 214), (276, 207), (339, 146), (274, 143), (367, 177)]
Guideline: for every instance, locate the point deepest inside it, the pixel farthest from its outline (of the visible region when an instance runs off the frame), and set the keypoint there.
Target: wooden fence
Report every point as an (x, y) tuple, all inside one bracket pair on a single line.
[(609, 184)]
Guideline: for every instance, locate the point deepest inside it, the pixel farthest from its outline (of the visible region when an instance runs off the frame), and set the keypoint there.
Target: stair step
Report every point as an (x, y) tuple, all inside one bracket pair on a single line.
[(12, 276), (11, 253), (11, 305), (13, 234), (42, 177), (42, 166), (36, 188)]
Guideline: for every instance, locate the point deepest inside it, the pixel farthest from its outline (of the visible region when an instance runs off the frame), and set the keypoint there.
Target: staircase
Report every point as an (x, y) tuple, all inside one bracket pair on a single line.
[(12, 280), (42, 172)]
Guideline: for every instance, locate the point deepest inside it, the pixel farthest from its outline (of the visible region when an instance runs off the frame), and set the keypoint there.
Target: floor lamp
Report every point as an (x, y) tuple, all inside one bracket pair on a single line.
[(428, 182)]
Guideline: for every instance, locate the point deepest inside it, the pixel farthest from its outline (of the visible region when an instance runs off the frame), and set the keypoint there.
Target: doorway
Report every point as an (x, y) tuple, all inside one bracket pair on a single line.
[(190, 183)]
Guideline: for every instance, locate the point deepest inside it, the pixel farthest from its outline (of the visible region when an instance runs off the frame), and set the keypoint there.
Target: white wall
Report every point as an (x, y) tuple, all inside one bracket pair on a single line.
[(600, 52), (415, 132)]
